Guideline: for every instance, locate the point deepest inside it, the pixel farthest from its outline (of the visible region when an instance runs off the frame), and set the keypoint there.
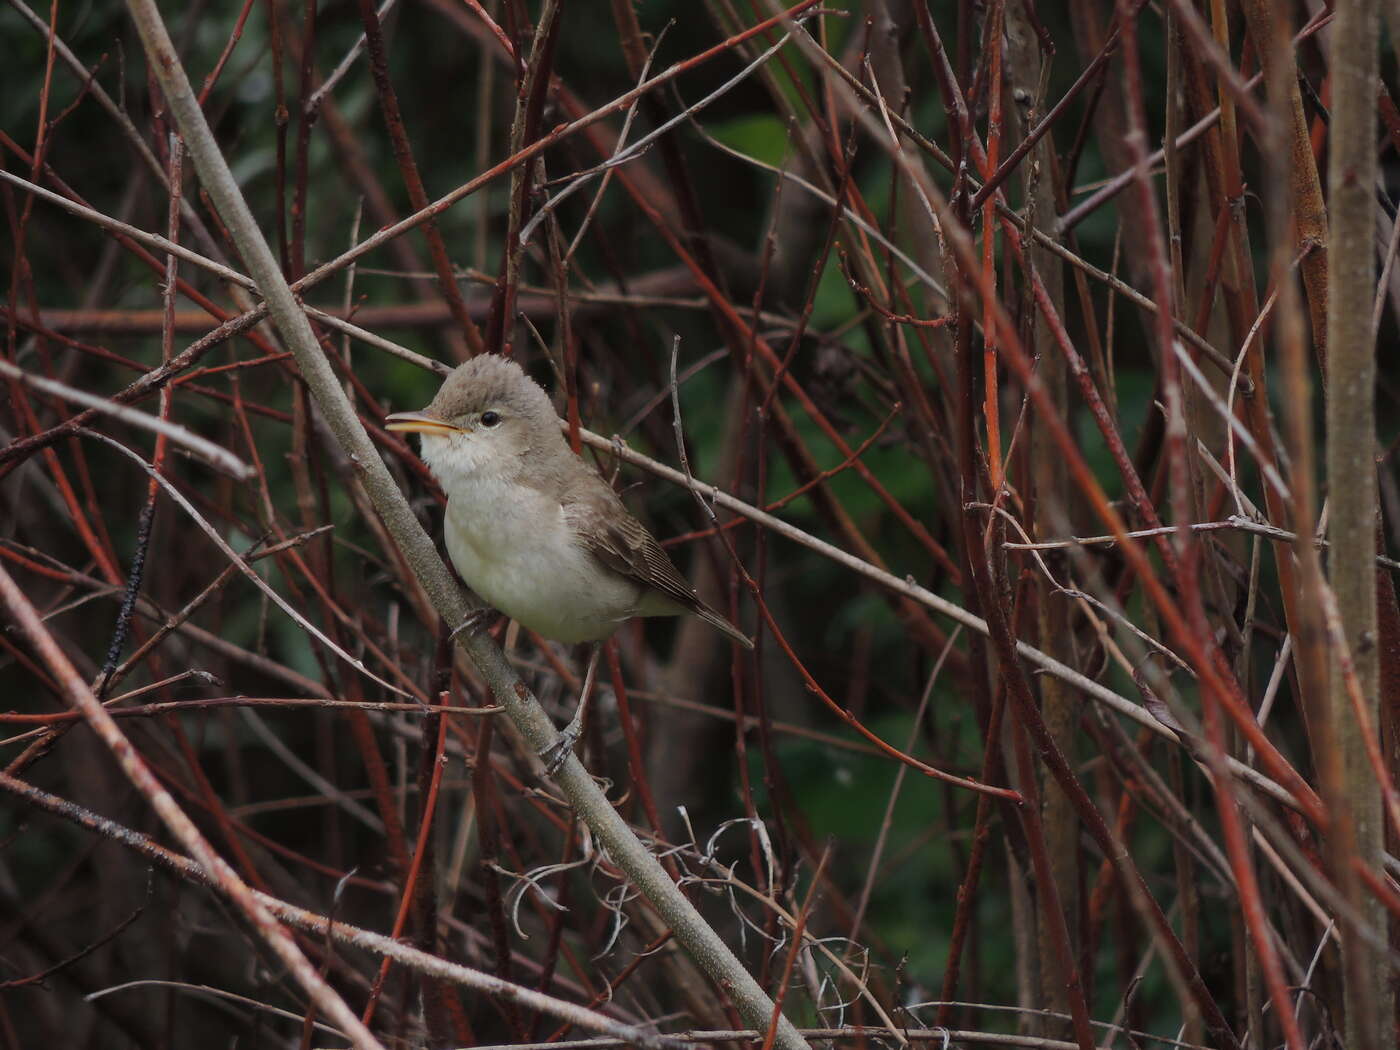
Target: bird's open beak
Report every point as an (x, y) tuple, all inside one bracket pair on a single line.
[(418, 423)]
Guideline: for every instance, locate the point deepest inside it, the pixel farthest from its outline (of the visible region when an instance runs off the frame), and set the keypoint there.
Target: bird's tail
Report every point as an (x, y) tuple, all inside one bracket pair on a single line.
[(714, 619)]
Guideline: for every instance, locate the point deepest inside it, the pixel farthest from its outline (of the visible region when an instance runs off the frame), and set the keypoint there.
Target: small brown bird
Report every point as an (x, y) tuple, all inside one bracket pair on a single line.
[(531, 527)]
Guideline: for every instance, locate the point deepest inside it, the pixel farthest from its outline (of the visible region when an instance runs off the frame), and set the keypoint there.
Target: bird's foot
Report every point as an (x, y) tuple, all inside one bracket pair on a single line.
[(558, 752), (475, 622), (555, 754)]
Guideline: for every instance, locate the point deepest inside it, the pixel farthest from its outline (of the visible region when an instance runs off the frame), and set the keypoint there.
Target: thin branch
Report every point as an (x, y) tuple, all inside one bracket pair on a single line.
[(418, 550)]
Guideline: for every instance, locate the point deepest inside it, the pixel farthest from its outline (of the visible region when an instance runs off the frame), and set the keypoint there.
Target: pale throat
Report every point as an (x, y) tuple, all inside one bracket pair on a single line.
[(460, 461)]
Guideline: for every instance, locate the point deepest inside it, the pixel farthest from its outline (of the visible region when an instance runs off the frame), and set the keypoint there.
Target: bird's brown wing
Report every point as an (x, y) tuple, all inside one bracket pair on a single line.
[(625, 545)]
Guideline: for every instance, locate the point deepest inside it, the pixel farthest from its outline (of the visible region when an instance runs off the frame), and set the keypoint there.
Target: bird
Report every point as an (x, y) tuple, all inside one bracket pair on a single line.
[(531, 527)]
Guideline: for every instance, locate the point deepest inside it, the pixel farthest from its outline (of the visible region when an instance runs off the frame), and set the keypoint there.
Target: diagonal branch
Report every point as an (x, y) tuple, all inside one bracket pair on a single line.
[(713, 955)]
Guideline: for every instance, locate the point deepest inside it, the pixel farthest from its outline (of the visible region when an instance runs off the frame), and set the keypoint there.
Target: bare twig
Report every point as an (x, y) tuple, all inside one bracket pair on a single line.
[(524, 710)]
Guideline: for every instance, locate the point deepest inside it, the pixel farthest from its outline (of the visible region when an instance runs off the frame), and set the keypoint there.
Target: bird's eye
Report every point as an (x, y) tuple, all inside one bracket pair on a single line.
[(490, 419)]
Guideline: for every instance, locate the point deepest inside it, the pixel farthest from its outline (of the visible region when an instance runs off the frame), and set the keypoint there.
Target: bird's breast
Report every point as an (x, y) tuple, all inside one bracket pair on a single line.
[(514, 546)]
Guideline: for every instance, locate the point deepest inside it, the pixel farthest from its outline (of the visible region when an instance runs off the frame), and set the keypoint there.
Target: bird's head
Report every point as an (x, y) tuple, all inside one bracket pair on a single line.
[(488, 421)]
